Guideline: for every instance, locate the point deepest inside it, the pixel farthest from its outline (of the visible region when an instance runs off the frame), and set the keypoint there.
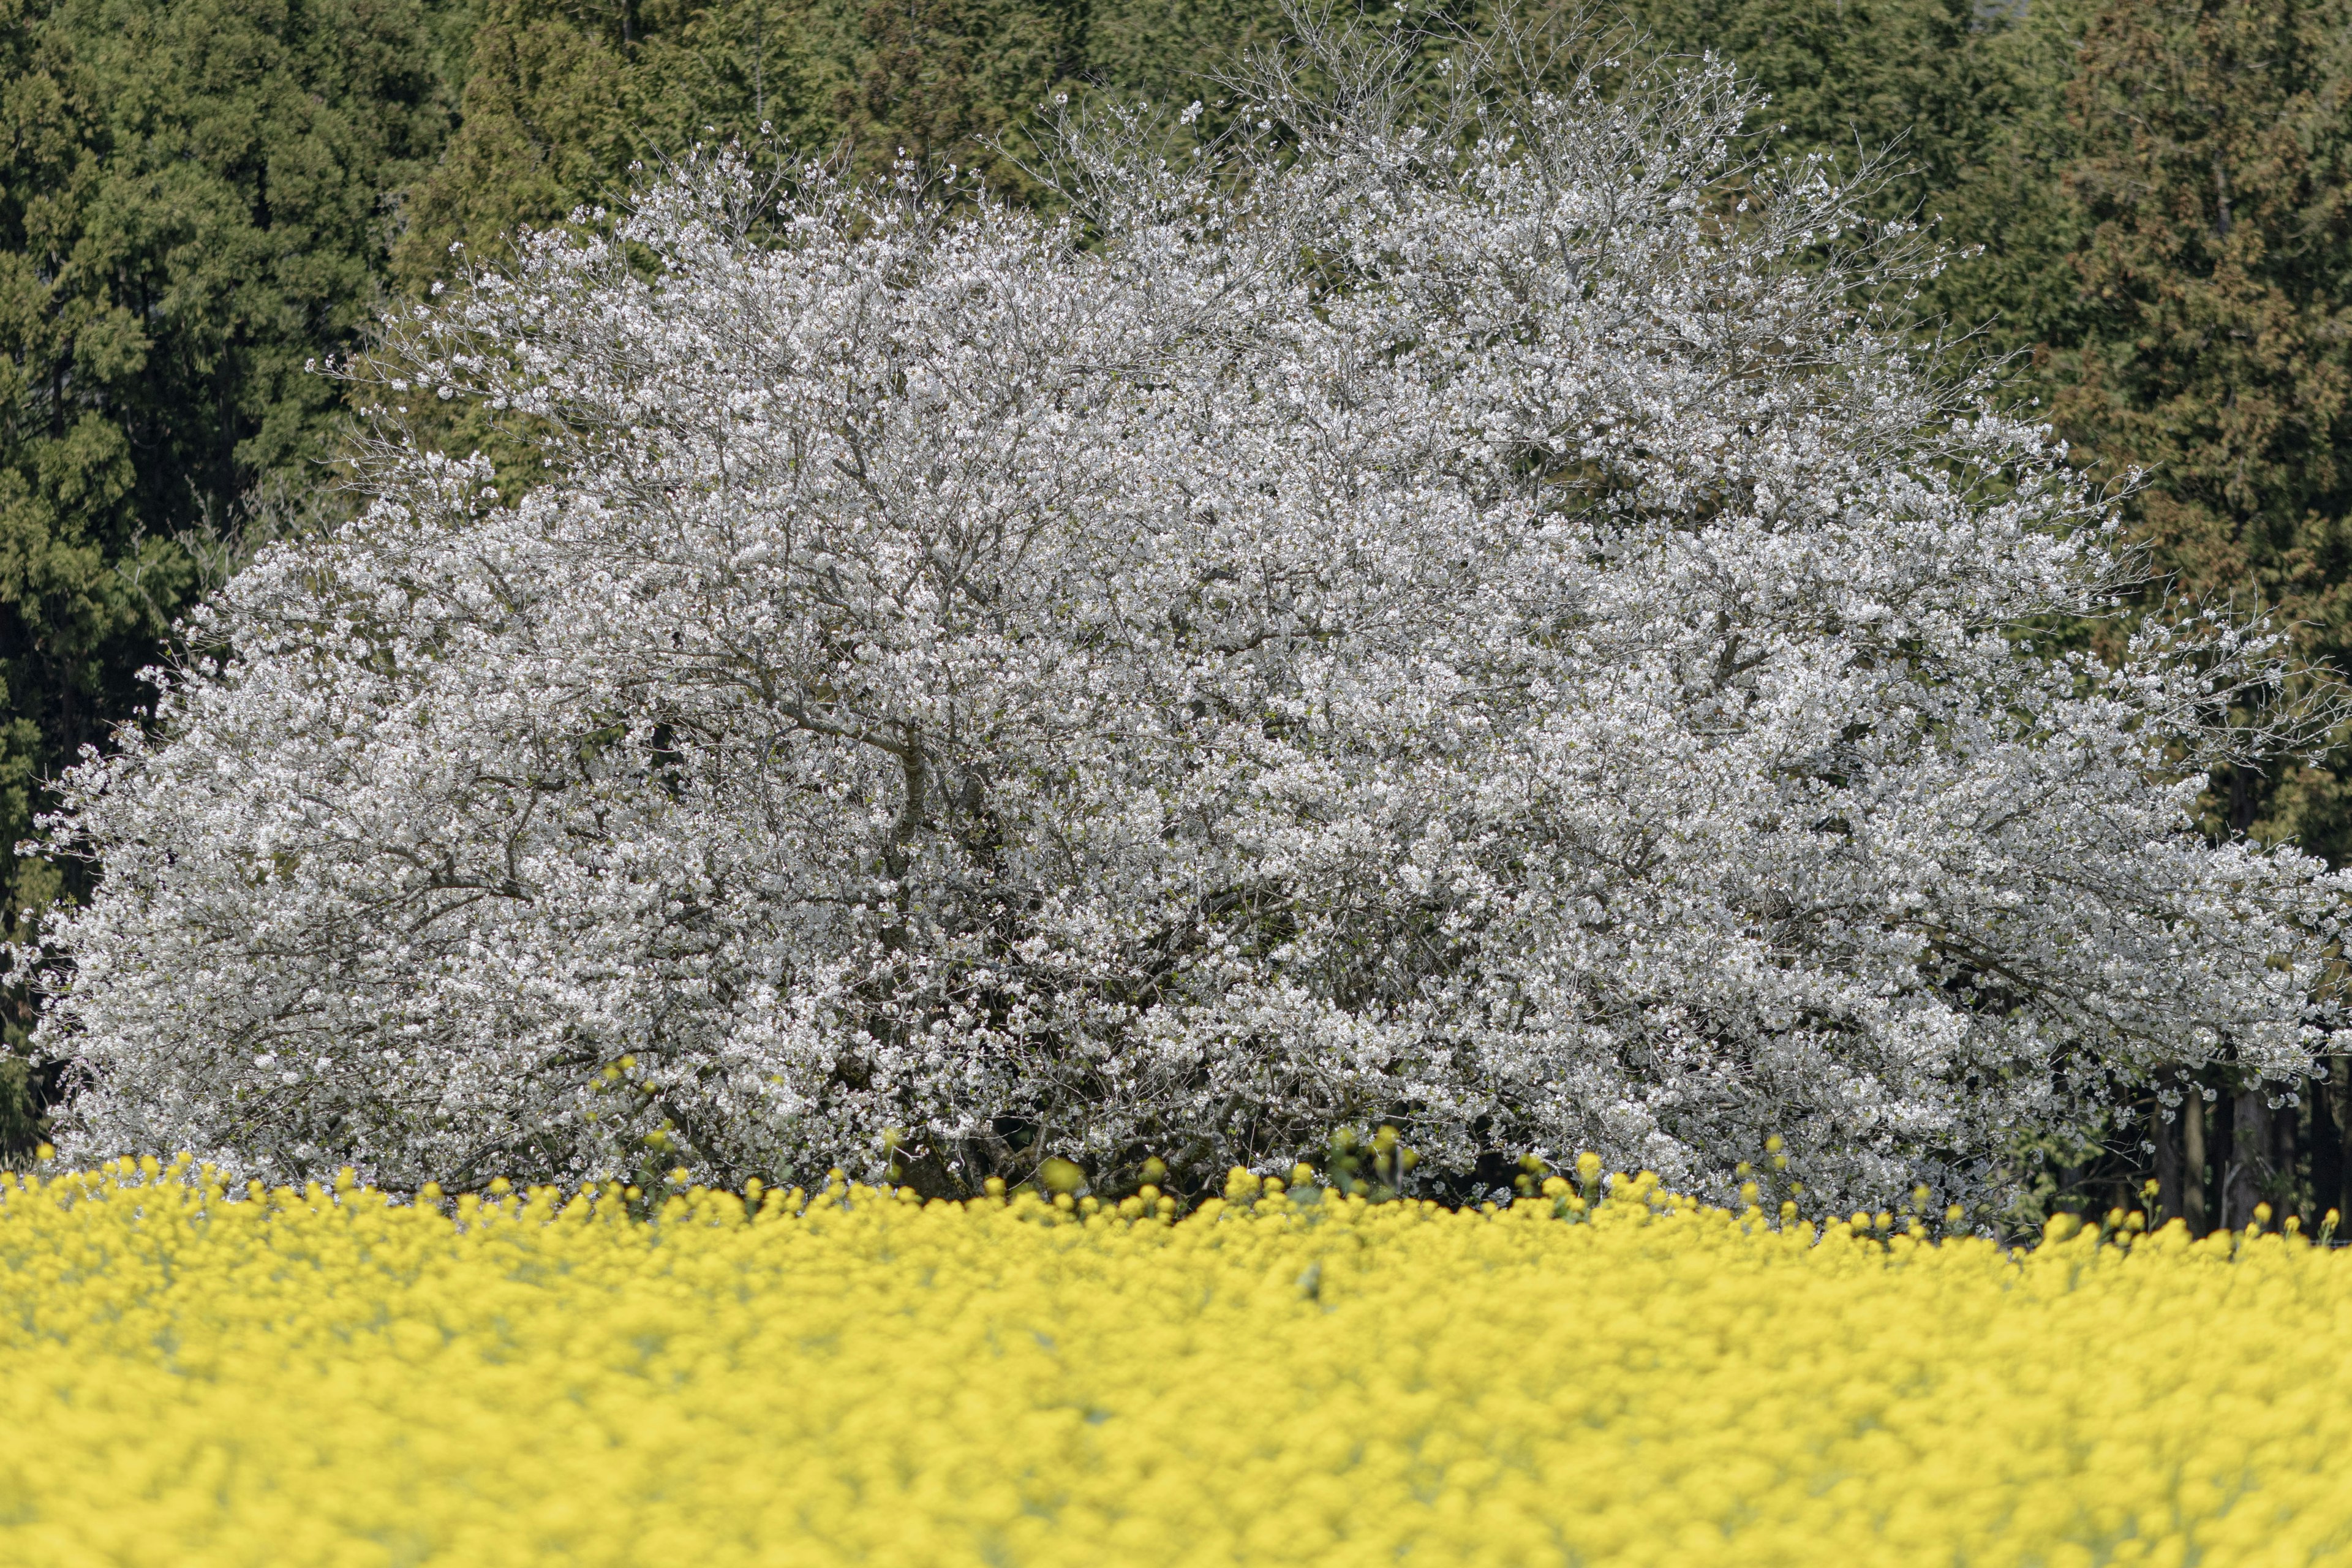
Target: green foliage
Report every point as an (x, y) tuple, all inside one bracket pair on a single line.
[(1961, 102), (20, 1126), (192, 203), (563, 98), (2214, 338)]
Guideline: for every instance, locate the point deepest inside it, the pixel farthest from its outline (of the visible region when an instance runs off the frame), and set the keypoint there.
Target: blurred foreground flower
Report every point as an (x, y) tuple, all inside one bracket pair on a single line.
[(848, 1375)]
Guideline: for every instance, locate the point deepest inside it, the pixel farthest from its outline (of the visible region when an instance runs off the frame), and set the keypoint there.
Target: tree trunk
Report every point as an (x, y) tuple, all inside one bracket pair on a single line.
[(2192, 1159), (2245, 785), (2166, 1134), (2340, 1078), (2286, 1192), (2247, 1159), (2330, 1105)]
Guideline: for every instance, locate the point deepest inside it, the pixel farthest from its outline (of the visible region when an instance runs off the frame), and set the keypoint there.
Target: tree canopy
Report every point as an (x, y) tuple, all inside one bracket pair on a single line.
[(196, 200), (2212, 341), (1420, 616)]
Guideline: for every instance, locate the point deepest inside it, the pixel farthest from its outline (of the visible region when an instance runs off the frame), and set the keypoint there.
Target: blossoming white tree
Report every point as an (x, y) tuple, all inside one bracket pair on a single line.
[(1439, 617)]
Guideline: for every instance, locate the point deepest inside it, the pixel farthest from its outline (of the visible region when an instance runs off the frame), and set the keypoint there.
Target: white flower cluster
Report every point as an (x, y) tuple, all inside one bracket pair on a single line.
[(1436, 619)]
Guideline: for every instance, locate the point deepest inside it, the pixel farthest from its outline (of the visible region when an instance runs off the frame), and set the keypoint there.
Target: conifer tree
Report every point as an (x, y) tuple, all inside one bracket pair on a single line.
[(2211, 348), (2215, 352), (193, 204)]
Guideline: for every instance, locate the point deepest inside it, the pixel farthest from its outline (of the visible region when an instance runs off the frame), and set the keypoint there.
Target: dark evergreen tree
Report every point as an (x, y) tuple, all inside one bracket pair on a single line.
[(2214, 345), (194, 202), (2208, 342)]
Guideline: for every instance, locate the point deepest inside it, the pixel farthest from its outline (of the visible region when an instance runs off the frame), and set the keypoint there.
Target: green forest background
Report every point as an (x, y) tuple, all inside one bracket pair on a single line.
[(199, 196)]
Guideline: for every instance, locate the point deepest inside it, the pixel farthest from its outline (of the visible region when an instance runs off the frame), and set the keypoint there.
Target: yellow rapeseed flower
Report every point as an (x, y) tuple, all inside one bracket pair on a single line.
[(854, 1376)]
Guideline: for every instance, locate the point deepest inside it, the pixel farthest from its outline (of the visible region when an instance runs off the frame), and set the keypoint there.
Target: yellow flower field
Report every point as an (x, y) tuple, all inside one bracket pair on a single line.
[(852, 1376)]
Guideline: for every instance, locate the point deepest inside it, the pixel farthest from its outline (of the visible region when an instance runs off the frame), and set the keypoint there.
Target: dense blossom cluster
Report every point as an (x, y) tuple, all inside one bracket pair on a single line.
[(849, 1376), (1438, 616)]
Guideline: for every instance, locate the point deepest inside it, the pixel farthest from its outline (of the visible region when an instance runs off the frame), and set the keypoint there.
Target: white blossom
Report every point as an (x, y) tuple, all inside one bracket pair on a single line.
[(1431, 617)]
